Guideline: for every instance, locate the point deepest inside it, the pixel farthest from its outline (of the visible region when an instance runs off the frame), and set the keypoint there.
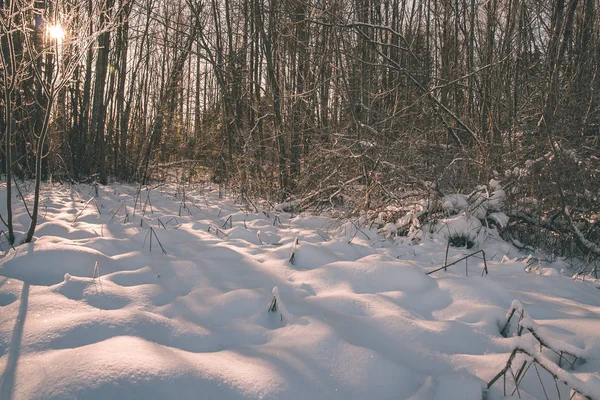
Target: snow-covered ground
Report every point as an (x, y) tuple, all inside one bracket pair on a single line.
[(90, 311)]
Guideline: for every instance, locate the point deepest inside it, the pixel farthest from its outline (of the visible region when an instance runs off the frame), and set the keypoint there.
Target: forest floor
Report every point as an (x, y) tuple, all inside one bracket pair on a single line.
[(165, 294)]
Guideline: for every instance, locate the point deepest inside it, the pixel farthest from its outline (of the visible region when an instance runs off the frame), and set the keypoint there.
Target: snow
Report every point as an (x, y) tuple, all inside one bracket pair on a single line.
[(88, 311), (461, 224), (454, 203), (497, 199), (389, 230), (500, 218)]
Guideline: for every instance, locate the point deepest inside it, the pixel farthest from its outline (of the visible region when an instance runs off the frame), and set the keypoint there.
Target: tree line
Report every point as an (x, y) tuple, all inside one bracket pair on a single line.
[(316, 100)]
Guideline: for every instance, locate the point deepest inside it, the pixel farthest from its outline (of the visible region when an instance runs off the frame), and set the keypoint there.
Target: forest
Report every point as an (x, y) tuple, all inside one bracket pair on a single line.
[(299, 199), (373, 105)]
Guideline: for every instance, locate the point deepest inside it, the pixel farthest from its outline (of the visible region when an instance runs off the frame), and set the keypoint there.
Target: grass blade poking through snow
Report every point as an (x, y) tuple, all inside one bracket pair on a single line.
[(217, 230), (228, 221), (277, 305), (446, 256), (273, 305), (147, 203), (170, 220), (151, 232), (84, 207), (292, 259), (118, 210), (96, 273), (137, 196)]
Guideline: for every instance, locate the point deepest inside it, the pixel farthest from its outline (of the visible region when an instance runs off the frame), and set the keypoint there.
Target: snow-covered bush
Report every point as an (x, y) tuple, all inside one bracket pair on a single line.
[(461, 240), (462, 219)]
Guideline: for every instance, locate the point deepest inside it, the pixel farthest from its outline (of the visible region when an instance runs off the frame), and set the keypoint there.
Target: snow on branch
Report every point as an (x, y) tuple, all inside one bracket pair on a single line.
[(558, 347), (592, 247), (588, 390)]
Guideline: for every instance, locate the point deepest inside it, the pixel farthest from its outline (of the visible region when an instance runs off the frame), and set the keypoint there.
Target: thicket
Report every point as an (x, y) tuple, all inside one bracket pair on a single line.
[(376, 104)]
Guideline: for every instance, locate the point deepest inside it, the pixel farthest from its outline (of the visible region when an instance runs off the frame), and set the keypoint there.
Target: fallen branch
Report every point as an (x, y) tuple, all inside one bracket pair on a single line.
[(557, 373), (537, 222), (525, 322), (316, 197)]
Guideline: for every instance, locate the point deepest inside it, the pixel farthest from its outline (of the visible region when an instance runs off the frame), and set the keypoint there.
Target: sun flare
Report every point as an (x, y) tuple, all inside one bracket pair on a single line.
[(56, 32)]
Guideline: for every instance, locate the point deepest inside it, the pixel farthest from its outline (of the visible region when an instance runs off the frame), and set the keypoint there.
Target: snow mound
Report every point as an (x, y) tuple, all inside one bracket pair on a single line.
[(94, 309)]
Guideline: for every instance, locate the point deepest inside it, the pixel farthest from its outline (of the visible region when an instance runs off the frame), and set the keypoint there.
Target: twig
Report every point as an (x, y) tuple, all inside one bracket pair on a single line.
[(527, 323), (446, 256), (21, 195), (151, 232), (356, 232), (445, 266), (116, 212), (558, 374), (228, 220), (173, 218), (8, 240), (81, 212), (217, 230), (137, 196), (146, 204), (97, 206)]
